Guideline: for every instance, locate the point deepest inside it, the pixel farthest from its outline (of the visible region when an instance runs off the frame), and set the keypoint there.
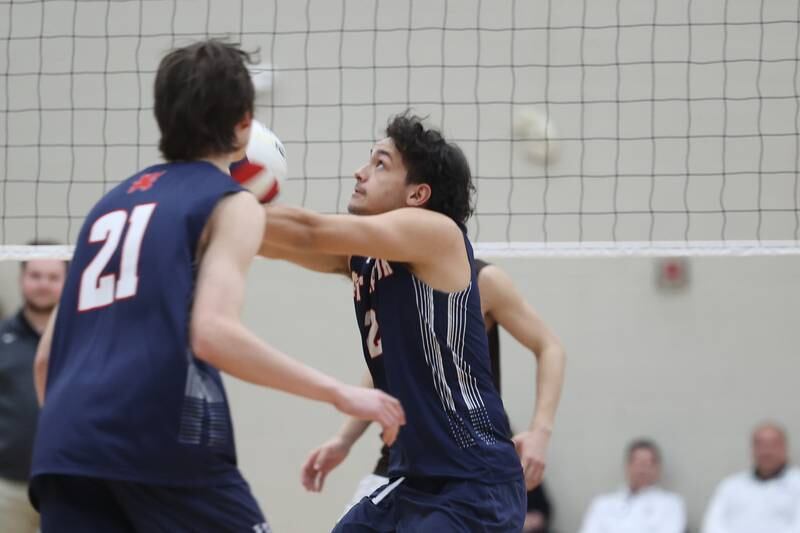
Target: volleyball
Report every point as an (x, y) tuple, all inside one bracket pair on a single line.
[(537, 133), (264, 166)]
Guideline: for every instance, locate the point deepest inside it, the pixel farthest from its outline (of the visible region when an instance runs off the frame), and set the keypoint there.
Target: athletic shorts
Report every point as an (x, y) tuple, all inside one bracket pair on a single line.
[(366, 487), (423, 505), (73, 503)]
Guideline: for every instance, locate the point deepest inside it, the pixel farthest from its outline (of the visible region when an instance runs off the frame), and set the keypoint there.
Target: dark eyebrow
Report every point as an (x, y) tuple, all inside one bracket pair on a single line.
[(381, 151)]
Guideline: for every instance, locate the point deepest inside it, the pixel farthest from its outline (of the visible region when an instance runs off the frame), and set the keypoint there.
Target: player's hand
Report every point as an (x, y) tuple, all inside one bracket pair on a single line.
[(372, 404), (322, 461), (532, 450)]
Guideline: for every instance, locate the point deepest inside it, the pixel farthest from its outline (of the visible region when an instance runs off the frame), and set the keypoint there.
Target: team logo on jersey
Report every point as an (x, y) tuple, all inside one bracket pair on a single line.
[(380, 269), (8, 338), (145, 182)]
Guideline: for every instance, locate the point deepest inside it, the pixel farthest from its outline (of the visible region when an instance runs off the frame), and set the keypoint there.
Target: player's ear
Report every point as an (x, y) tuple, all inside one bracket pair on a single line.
[(418, 194), (242, 133), (245, 121)]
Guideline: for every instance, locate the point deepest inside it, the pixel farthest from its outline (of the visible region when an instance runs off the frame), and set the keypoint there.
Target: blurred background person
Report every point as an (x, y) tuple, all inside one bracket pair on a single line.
[(40, 283), (642, 506), (765, 498)]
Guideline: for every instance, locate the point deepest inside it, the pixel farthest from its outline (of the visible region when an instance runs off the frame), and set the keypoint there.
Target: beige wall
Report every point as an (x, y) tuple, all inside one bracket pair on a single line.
[(694, 370)]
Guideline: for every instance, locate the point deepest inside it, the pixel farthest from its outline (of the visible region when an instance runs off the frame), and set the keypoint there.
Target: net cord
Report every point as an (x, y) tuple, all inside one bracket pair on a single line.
[(533, 249)]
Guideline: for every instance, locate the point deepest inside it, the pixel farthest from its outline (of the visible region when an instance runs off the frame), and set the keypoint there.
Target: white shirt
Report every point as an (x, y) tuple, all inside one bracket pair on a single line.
[(744, 504), (650, 510)]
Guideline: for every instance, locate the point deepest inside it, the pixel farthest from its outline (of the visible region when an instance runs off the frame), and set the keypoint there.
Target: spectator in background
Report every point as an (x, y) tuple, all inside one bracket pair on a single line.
[(642, 506), (763, 499), (41, 281)]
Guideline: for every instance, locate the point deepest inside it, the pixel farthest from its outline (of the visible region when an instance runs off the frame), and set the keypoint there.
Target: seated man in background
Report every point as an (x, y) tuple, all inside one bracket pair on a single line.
[(765, 498), (642, 506), (40, 283)]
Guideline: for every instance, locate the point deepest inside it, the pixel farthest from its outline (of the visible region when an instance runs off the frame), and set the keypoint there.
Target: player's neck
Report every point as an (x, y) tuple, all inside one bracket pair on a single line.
[(222, 162)]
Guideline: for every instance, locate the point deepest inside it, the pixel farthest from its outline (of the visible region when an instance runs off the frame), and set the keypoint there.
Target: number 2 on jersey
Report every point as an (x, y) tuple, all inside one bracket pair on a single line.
[(97, 290), (374, 345)]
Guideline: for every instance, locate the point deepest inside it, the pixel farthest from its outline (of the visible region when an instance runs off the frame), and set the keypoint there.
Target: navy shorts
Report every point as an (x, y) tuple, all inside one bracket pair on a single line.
[(73, 503), (439, 505)]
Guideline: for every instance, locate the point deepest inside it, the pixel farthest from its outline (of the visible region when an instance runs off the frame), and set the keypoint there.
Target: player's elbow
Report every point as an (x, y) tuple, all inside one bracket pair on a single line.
[(551, 348), (204, 337), (557, 351)]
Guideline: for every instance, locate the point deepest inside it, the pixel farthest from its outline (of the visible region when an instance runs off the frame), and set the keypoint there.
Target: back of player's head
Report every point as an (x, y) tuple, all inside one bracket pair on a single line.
[(430, 159), (201, 92)]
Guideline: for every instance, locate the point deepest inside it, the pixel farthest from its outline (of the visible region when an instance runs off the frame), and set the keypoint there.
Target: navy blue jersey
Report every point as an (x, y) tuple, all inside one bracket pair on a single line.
[(125, 398), (428, 349)]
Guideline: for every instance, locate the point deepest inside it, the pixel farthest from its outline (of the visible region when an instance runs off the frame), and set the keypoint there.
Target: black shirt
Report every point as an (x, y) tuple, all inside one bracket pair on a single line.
[(19, 409)]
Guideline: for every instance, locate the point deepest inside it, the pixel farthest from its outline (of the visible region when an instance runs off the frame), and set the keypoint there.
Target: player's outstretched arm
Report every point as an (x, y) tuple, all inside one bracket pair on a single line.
[(408, 234), (318, 262), (219, 338), (331, 453), (429, 242), (503, 302), (42, 359)]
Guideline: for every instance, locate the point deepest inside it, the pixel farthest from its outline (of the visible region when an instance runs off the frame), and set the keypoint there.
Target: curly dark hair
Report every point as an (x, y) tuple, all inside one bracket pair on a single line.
[(430, 159), (201, 92)]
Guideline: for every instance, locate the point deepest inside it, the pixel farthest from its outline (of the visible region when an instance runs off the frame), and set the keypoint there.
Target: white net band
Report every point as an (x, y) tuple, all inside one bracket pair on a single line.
[(534, 249)]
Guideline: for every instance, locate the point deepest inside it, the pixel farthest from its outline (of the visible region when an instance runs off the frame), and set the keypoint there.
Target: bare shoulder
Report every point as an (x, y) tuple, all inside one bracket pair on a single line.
[(234, 215), (496, 287), (436, 225), (437, 232), (493, 280), (441, 258), (241, 207)]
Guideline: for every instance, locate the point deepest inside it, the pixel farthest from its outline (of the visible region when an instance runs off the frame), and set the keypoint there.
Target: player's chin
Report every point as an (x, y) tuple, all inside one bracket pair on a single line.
[(357, 204)]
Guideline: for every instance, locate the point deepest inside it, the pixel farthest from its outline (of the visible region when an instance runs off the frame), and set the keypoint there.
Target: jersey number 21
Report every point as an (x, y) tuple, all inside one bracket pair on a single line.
[(99, 290)]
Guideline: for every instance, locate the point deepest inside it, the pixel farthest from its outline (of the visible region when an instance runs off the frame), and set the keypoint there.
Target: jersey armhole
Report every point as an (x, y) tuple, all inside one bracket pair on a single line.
[(205, 234)]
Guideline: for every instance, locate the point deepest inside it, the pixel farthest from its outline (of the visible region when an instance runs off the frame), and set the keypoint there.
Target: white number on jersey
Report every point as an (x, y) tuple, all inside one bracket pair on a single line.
[(97, 290), (373, 336)]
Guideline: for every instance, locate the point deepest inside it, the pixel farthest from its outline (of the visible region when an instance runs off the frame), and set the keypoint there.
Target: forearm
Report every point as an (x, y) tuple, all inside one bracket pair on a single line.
[(318, 262), (549, 382), (236, 351), (353, 428), (291, 228)]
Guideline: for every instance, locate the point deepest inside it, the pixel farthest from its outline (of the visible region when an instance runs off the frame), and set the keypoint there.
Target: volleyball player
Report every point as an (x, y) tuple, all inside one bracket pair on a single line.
[(501, 305), (135, 432), (453, 466)]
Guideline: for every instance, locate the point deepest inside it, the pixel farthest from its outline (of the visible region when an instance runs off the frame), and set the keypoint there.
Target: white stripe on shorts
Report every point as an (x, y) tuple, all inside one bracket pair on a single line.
[(389, 488)]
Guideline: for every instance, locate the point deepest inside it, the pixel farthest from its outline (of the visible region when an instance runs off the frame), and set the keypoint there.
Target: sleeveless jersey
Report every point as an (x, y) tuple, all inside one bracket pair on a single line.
[(126, 399), (493, 336), (428, 348)]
